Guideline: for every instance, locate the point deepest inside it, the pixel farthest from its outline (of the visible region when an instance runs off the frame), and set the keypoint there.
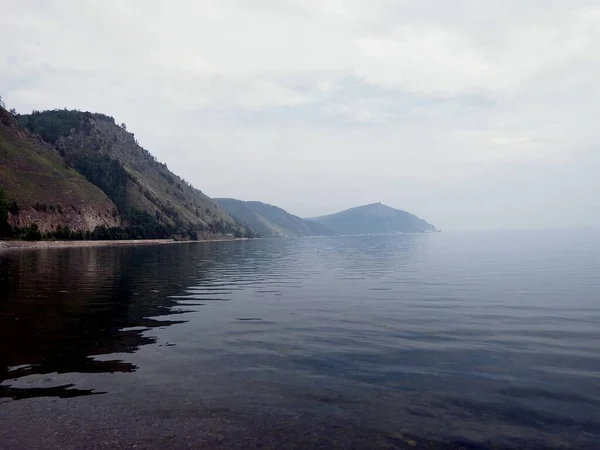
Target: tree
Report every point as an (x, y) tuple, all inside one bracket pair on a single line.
[(5, 229), (14, 209), (32, 233), (2, 102), (51, 125), (13, 112)]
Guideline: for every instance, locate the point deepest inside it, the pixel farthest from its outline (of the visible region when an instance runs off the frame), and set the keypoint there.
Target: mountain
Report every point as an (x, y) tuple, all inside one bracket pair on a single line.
[(73, 174), (374, 218), (271, 221), (151, 201), (40, 188)]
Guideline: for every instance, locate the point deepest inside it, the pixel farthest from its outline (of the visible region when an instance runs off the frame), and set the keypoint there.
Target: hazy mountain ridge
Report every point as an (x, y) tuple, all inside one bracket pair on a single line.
[(374, 218), (271, 221)]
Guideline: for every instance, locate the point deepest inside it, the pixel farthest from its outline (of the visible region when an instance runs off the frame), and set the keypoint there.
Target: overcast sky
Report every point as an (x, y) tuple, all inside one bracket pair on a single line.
[(471, 114)]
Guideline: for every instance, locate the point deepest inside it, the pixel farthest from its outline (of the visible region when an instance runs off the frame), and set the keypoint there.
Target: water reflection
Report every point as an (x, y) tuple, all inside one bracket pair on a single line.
[(434, 341), (60, 308)]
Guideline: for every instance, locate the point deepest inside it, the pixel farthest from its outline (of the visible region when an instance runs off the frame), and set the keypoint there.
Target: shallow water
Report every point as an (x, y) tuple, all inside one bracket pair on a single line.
[(445, 340)]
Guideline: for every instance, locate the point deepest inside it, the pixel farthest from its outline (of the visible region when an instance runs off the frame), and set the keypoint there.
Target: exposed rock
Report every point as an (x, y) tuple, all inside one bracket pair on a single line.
[(77, 218)]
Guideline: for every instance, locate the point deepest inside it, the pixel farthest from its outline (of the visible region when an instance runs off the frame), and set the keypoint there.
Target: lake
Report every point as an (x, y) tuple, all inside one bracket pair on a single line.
[(434, 341)]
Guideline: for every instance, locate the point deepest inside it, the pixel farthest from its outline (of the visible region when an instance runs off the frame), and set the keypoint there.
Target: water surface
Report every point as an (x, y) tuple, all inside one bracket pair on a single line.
[(481, 340)]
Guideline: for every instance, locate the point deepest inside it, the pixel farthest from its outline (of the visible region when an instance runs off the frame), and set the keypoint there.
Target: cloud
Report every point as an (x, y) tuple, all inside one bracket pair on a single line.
[(319, 105)]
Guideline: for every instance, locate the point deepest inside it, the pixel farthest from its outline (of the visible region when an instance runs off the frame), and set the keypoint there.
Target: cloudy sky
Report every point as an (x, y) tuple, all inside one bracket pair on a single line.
[(472, 114)]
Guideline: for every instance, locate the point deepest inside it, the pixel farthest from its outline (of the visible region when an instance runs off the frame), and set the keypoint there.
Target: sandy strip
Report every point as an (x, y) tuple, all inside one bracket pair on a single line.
[(24, 245)]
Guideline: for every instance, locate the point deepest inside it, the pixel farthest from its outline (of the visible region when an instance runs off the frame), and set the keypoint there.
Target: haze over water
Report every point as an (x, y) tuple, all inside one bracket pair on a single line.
[(442, 340)]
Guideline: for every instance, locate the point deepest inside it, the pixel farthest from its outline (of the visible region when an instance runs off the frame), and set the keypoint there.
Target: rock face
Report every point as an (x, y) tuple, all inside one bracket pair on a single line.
[(77, 218), (271, 221), (44, 190), (374, 218)]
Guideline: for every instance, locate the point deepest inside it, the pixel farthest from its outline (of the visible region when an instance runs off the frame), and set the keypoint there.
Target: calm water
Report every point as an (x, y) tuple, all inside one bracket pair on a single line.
[(484, 340)]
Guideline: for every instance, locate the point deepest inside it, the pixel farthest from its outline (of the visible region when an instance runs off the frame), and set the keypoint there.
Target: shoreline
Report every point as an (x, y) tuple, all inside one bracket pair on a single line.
[(40, 245)]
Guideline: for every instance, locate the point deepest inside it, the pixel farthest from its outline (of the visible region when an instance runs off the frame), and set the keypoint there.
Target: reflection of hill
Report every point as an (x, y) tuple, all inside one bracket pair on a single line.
[(58, 308)]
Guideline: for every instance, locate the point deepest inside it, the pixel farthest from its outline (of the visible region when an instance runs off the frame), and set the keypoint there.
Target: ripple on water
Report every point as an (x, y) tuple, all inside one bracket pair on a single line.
[(426, 341)]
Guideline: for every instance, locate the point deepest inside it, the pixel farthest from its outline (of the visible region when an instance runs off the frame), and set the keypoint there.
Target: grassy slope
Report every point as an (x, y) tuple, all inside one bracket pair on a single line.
[(31, 172)]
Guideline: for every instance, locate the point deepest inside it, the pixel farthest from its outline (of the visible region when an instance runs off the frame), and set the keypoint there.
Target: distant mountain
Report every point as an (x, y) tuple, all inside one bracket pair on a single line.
[(373, 218), (271, 221), (150, 200)]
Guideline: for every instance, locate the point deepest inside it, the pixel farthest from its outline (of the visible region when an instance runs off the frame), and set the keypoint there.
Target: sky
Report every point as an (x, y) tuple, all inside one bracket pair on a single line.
[(472, 114)]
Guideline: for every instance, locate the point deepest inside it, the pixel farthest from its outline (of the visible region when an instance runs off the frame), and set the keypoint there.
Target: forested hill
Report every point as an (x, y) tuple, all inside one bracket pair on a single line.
[(40, 193), (271, 221), (150, 200)]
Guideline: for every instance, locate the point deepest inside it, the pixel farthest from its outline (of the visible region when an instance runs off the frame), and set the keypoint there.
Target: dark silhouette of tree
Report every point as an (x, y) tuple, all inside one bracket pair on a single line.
[(14, 209), (31, 233), (51, 125), (5, 228)]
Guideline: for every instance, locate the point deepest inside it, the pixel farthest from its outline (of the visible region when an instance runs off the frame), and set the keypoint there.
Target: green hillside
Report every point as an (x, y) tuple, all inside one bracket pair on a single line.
[(42, 189), (271, 221)]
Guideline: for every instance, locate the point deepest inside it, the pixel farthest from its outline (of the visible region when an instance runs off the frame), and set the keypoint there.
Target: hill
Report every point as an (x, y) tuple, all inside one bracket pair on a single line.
[(271, 221), (150, 199), (41, 190), (374, 218)]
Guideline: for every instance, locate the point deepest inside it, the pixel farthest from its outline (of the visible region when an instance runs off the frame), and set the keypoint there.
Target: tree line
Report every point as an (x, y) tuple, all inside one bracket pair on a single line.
[(141, 225)]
